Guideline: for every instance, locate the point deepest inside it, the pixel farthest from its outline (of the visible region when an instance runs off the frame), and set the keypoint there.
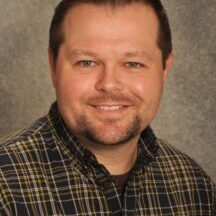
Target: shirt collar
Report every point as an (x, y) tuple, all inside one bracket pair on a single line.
[(147, 144)]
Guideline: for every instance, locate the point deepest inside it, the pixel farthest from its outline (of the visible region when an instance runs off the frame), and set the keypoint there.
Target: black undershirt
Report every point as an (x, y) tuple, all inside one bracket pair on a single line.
[(120, 181)]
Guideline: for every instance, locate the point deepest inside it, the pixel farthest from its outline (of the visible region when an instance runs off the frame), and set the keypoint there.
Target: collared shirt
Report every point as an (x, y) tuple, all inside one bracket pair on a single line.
[(45, 170)]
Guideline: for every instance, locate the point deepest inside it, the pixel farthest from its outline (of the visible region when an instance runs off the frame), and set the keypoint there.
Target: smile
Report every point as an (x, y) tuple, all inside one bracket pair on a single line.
[(107, 108)]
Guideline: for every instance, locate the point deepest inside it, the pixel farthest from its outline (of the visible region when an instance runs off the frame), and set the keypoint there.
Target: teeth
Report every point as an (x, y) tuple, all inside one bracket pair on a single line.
[(109, 107)]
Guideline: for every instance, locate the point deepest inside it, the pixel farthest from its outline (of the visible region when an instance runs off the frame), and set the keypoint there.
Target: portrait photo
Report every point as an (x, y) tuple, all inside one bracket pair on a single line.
[(112, 95)]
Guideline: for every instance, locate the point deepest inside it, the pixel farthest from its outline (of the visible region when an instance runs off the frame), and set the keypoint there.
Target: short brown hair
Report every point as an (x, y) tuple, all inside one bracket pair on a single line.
[(56, 36)]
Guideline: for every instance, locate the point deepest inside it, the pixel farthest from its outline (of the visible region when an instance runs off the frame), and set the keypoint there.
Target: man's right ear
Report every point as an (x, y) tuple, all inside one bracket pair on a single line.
[(52, 66)]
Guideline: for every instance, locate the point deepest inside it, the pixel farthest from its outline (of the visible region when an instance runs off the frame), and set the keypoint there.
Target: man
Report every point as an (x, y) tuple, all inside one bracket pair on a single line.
[(95, 153)]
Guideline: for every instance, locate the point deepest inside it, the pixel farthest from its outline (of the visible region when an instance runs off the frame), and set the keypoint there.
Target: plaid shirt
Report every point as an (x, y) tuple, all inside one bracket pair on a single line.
[(44, 170)]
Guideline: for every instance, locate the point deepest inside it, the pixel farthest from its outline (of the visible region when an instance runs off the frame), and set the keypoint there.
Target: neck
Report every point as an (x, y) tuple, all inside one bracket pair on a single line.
[(118, 159)]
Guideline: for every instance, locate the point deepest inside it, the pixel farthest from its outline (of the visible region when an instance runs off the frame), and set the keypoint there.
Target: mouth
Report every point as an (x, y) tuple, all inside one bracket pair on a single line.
[(109, 111), (110, 107)]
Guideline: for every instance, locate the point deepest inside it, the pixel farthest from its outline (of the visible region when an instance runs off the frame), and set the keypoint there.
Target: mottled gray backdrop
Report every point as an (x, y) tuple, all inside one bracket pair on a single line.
[(187, 118)]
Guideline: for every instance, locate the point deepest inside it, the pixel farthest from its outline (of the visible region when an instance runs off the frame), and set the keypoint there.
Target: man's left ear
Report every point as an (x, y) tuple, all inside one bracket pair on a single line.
[(52, 67), (168, 65)]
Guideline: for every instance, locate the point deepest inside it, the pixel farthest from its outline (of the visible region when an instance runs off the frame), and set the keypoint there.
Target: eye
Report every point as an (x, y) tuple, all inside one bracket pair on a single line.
[(134, 65), (86, 63)]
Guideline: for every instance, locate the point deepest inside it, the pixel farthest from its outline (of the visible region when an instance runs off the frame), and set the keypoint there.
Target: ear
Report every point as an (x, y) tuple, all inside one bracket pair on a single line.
[(52, 66), (169, 62)]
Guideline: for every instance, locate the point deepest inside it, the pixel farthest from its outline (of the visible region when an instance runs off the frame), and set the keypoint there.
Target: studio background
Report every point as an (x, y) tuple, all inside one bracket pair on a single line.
[(187, 116)]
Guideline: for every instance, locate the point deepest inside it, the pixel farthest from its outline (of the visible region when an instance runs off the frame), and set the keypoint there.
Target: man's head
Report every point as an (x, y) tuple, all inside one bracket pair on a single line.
[(57, 33), (108, 70)]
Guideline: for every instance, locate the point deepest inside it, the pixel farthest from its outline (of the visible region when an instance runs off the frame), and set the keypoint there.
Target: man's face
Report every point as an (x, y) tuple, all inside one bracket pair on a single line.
[(109, 74)]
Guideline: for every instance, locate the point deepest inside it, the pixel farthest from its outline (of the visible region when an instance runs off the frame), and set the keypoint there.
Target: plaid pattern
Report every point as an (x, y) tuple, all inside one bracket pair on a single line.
[(44, 170)]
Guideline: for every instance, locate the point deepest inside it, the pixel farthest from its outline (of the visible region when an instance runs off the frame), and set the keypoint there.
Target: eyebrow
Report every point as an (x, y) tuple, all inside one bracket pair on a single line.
[(76, 52), (138, 54)]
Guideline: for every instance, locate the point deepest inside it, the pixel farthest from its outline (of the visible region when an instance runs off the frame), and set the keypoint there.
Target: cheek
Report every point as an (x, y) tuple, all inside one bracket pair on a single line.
[(73, 89), (148, 89)]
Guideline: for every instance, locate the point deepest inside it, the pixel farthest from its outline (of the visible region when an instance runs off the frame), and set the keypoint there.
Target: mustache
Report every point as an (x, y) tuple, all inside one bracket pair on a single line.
[(120, 98)]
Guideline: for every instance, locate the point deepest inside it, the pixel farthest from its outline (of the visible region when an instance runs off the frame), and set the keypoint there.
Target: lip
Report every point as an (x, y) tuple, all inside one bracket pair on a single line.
[(111, 109), (110, 104)]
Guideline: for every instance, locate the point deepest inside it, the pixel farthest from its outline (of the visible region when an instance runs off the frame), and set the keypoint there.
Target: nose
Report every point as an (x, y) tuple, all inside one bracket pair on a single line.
[(109, 80)]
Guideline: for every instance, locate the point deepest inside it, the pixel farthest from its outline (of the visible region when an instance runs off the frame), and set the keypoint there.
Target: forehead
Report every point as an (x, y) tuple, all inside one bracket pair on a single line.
[(137, 14), (111, 31)]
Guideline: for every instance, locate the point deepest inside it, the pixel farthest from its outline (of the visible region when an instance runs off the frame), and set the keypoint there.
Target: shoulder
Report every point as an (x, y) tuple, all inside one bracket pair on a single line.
[(182, 174), (14, 146), (181, 169), (171, 158), (23, 134)]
